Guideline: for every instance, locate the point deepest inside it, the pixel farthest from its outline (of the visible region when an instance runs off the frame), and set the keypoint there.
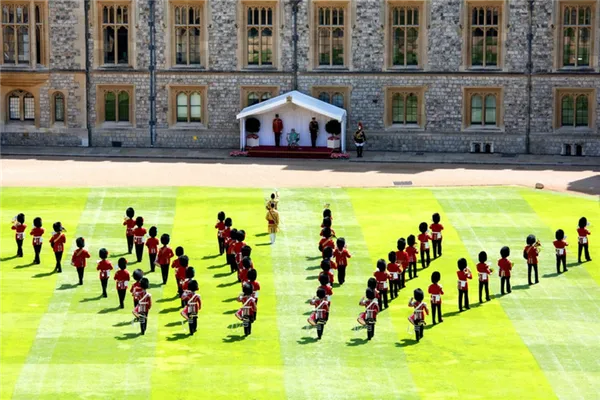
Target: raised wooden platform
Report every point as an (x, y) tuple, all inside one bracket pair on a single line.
[(294, 152)]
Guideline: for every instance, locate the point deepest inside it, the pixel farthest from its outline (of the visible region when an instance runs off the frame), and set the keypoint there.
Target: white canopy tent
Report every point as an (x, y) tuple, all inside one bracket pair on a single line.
[(296, 111)]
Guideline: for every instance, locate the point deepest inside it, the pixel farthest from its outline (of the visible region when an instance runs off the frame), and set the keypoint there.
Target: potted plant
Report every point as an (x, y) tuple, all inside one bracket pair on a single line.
[(334, 128), (252, 128)]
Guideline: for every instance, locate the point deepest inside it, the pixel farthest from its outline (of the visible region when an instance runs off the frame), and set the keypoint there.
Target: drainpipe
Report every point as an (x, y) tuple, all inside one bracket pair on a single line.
[(152, 68), (86, 12), (529, 77), (295, 5)]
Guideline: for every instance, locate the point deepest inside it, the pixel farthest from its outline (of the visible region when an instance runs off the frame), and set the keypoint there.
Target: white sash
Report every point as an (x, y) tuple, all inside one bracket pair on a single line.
[(319, 311), (191, 306), (245, 307), (418, 311), (256, 293), (369, 312), (142, 304), (138, 239)]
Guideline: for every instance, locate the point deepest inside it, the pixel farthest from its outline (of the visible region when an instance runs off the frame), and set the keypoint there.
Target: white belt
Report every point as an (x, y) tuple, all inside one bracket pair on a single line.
[(435, 298), (583, 239), (483, 276), (462, 284), (426, 245), (437, 235), (560, 252), (385, 285), (39, 239), (395, 275), (20, 236), (256, 293)]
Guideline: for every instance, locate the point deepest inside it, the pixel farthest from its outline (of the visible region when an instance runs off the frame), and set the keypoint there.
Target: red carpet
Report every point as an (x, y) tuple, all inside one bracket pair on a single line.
[(285, 152)]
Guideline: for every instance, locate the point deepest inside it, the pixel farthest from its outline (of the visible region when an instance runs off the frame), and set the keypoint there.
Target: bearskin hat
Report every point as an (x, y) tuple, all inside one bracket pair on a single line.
[(327, 252), (436, 218), (531, 240), (252, 275), (462, 264), (246, 262), (103, 253), (179, 251), (221, 216), (381, 264), (370, 294), (193, 285), (325, 265), (482, 257), (401, 244), (321, 293), (138, 274), (139, 221), (423, 227), (247, 289), (392, 256), (323, 279), (435, 277), (80, 242), (144, 283), (505, 252), (372, 283), (122, 263), (153, 231), (21, 218), (228, 222), (327, 213), (560, 234), (326, 232), (246, 251), (418, 295), (190, 272), (57, 226), (340, 243), (326, 222), (411, 240), (37, 222), (130, 212), (165, 239), (184, 261), (234, 234), (583, 222), (241, 235)]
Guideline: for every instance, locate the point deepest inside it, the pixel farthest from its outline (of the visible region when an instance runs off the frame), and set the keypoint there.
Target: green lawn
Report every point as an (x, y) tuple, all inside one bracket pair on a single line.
[(60, 340)]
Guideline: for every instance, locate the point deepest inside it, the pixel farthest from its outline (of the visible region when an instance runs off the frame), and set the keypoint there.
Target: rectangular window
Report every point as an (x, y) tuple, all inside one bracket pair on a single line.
[(18, 29), (575, 108), (405, 107), (260, 35), (115, 22), (405, 35), (15, 108), (331, 34), (187, 34), (115, 104), (484, 34), (483, 107), (577, 34)]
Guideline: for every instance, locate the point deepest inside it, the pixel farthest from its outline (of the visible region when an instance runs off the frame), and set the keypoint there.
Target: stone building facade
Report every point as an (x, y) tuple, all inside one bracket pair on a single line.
[(422, 75)]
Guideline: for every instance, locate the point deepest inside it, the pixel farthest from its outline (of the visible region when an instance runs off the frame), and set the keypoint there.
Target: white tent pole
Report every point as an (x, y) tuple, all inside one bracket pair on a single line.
[(242, 133), (344, 134)]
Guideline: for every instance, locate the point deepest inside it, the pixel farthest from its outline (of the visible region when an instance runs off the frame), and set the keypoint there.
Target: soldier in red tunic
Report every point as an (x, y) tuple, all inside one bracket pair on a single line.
[(18, 225), (368, 318), (246, 266), (326, 241), (583, 242), (226, 234), (136, 289), (122, 280), (530, 253), (341, 255), (382, 278), (37, 233), (327, 224), (79, 258), (326, 271), (436, 235), (130, 224), (104, 266), (152, 245), (190, 273), (277, 129), (395, 271), (417, 319), (140, 312), (505, 266), (325, 285), (411, 252), (139, 235), (192, 307), (165, 253), (560, 246), (484, 272), (463, 274), (436, 292), (251, 279), (402, 259), (179, 269), (57, 241), (320, 315), (220, 227), (247, 312), (424, 239)]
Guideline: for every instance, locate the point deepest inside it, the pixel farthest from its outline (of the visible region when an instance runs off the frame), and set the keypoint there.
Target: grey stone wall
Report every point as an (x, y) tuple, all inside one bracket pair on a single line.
[(445, 37), (66, 22)]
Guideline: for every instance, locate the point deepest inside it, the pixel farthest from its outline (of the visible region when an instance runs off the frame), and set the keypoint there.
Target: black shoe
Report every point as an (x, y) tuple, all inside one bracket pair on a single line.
[(104, 295), (480, 301), (468, 308), (530, 283), (487, 299), (121, 306), (461, 310), (510, 291), (578, 261), (441, 320), (536, 282), (565, 270), (588, 259), (434, 323), (80, 283)]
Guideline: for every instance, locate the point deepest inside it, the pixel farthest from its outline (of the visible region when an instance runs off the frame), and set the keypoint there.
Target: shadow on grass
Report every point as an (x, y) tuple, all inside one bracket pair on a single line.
[(573, 264), (222, 275), (119, 255), (233, 338), (109, 310), (261, 234), (313, 268), (44, 274), (224, 285), (172, 324), (169, 310), (24, 266), (312, 277), (66, 286), (314, 258), (307, 340), (264, 244), (229, 312), (167, 300), (128, 336), (121, 324), (217, 266), (356, 342), (552, 275), (9, 258), (177, 336), (406, 343), (211, 257), (520, 287), (230, 300), (87, 300), (307, 313), (155, 285)]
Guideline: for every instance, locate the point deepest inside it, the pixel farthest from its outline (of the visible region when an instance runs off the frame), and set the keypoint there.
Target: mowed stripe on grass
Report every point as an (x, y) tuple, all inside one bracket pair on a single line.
[(464, 348)]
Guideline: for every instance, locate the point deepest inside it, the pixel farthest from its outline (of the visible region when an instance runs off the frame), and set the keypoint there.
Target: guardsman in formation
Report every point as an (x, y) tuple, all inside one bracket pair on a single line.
[(327, 224), (247, 312), (226, 235), (341, 255), (18, 225), (152, 245), (140, 312), (179, 269), (129, 223), (504, 266), (325, 285), (79, 258), (560, 246), (246, 267), (122, 279), (326, 271), (484, 272), (165, 253), (411, 252), (57, 241), (436, 235), (190, 273), (327, 214), (463, 274), (237, 251), (424, 239), (326, 240), (139, 236), (395, 272), (436, 292), (192, 307), (136, 288), (104, 266), (252, 275), (530, 253), (402, 259), (220, 227), (37, 232), (417, 319), (272, 218), (368, 318), (229, 251), (320, 315), (583, 242), (382, 277)]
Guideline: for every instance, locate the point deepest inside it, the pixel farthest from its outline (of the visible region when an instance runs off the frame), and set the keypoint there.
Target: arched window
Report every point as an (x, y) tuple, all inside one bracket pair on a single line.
[(59, 107), (189, 107), (483, 109), (21, 106), (253, 99), (117, 106), (115, 34), (259, 35), (123, 107), (338, 100), (405, 108), (567, 111), (110, 107), (182, 107), (575, 109), (324, 96), (255, 95)]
